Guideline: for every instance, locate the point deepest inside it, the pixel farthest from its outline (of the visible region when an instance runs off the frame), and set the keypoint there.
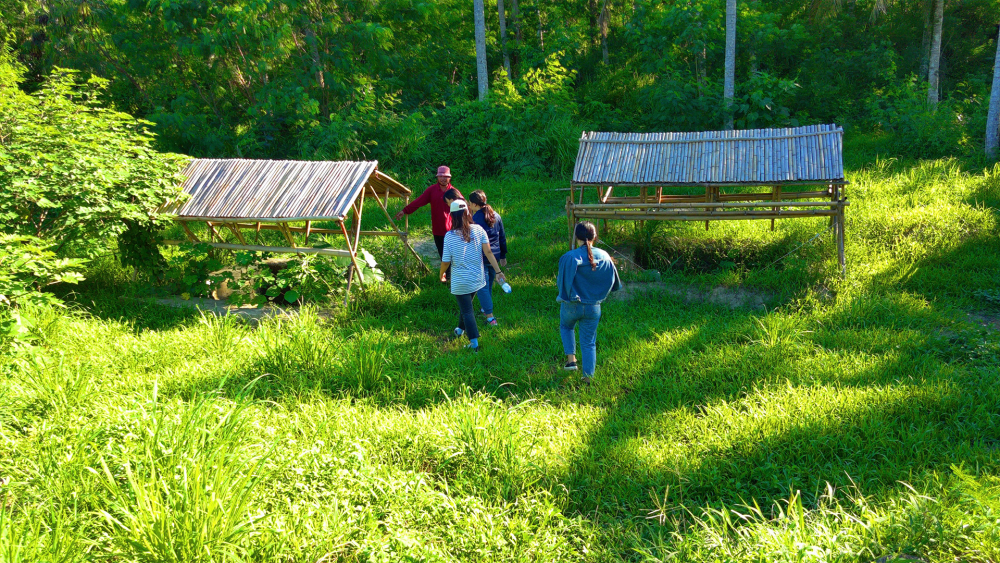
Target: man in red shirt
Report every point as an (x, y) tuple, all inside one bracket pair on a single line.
[(440, 213)]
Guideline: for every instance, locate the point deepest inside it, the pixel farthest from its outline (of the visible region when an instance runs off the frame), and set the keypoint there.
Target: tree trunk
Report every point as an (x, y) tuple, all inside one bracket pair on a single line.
[(934, 72), (603, 23), (925, 43), (729, 86), (993, 117), (483, 76), (541, 30), (503, 37), (515, 20)]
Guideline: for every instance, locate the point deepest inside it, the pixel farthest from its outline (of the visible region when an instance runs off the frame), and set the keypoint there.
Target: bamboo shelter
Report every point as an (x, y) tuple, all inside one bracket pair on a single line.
[(765, 174), (245, 197)]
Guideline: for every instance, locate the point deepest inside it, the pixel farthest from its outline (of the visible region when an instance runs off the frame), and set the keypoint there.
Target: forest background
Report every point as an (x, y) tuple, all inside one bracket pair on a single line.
[(395, 80)]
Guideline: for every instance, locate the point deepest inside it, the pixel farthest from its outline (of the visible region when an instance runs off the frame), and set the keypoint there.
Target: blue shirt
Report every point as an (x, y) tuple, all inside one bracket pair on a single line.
[(466, 259), (498, 238), (578, 283)]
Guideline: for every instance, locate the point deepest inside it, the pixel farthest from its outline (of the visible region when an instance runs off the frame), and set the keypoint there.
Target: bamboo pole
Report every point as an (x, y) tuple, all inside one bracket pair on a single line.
[(703, 217), (278, 249), (354, 258), (190, 234), (235, 230), (402, 235), (570, 219), (716, 205)]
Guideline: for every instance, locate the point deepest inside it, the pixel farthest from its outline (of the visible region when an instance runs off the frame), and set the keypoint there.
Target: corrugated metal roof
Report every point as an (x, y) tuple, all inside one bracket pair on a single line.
[(752, 156), (278, 190)]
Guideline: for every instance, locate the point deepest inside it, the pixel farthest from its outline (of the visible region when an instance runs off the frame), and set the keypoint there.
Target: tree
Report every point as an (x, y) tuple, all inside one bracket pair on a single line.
[(503, 37), (482, 76), (729, 87), (993, 117), (934, 73), (76, 174), (603, 24)]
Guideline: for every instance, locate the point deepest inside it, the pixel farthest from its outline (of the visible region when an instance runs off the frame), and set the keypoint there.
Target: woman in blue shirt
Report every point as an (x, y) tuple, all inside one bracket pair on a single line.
[(586, 277), (490, 221)]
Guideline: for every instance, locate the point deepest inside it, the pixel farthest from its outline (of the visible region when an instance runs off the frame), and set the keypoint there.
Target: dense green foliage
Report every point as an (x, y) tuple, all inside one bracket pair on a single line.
[(855, 419), (74, 172), (395, 80)]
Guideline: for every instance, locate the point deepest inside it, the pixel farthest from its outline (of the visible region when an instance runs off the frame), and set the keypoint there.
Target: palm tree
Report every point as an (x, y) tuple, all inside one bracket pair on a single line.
[(729, 86), (480, 18), (934, 65), (993, 117)]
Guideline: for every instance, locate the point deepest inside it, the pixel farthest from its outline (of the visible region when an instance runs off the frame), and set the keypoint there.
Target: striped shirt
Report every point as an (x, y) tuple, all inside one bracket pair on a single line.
[(466, 260)]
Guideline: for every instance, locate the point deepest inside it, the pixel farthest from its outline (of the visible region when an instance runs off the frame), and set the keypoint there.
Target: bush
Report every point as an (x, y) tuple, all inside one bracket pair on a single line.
[(74, 172), (918, 131), (524, 129), (27, 266)]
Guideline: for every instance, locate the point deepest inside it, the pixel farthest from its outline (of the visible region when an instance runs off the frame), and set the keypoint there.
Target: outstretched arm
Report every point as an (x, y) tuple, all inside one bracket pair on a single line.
[(416, 204)]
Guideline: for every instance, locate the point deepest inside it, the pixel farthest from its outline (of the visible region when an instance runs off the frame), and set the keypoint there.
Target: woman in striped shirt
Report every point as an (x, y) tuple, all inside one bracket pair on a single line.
[(464, 247)]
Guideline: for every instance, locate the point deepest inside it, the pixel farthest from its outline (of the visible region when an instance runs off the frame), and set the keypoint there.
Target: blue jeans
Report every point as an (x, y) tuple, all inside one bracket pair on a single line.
[(588, 316), (467, 316), (486, 293)]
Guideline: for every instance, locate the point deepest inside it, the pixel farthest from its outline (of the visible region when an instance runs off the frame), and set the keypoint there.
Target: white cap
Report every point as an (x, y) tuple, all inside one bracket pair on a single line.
[(458, 205)]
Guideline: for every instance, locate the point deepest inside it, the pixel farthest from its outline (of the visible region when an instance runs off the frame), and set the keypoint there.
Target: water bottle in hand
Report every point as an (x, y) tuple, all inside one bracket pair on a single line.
[(505, 287)]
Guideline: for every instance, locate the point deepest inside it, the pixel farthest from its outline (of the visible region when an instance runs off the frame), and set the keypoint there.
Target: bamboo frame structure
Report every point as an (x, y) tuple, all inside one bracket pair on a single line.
[(793, 166), (288, 197)]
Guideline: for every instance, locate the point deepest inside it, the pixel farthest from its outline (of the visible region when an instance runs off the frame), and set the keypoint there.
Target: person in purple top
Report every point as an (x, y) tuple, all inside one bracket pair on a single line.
[(586, 277), (490, 221)]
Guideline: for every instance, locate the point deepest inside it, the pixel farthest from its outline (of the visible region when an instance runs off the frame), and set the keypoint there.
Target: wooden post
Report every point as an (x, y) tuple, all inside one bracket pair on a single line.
[(357, 218), (841, 254), (569, 220), (354, 262), (776, 195)]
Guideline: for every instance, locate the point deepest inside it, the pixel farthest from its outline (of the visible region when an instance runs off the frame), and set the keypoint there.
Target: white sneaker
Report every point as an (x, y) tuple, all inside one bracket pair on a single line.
[(459, 332)]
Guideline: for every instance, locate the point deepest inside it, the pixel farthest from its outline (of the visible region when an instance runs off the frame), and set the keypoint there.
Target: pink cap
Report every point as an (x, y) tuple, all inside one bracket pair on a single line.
[(444, 171)]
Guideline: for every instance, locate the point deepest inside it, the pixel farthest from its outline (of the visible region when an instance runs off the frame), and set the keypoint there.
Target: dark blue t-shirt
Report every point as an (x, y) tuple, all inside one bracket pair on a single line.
[(498, 239)]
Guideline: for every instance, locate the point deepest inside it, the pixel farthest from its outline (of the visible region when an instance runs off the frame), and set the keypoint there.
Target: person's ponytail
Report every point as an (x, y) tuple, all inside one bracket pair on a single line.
[(587, 232), (479, 198)]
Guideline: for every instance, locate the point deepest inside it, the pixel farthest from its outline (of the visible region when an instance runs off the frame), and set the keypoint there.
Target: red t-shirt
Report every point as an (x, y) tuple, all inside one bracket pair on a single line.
[(440, 213)]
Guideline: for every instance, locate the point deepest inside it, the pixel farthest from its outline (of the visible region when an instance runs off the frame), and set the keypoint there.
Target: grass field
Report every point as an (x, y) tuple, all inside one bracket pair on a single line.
[(856, 419)]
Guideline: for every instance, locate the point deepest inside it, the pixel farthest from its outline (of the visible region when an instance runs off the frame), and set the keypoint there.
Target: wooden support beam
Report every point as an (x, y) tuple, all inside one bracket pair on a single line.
[(354, 256), (278, 249), (190, 234), (288, 234), (236, 231), (400, 234), (706, 206), (357, 225)]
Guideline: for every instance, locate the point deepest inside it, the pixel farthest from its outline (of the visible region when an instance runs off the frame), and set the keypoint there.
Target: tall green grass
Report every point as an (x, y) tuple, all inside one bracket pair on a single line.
[(856, 419)]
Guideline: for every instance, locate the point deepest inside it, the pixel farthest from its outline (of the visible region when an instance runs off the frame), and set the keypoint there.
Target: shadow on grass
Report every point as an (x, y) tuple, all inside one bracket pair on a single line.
[(731, 412)]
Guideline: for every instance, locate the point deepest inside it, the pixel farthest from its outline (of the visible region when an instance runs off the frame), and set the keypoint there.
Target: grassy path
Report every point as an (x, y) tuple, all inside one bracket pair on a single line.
[(854, 419)]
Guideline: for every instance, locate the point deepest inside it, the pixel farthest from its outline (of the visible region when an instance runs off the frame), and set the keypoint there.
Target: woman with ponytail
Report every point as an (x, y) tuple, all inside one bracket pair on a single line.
[(490, 221), (586, 277), (464, 247)]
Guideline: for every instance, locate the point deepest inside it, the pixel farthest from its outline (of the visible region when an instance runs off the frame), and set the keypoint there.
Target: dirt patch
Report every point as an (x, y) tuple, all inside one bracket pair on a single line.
[(731, 297), (427, 250), (989, 321)]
